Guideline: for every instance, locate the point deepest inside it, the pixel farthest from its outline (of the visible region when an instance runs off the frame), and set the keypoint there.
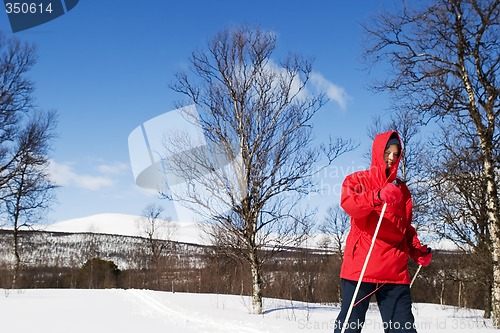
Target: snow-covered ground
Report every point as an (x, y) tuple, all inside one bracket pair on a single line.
[(124, 311)]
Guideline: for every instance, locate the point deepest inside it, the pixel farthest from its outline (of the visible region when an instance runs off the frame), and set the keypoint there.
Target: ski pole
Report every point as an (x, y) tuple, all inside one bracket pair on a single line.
[(415, 276), (358, 285), (418, 269)]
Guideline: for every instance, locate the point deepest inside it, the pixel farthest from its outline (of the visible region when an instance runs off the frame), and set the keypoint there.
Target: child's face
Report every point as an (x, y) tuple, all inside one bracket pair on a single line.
[(391, 155)]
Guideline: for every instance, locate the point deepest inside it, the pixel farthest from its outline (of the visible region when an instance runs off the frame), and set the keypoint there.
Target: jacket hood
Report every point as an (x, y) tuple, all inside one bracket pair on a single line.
[(378, 164)]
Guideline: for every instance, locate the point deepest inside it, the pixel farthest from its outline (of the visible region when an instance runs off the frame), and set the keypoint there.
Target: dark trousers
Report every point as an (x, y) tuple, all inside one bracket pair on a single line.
[(394, 302)]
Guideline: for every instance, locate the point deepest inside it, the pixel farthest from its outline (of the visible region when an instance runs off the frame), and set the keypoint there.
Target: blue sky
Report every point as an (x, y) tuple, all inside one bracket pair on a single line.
[(105, 67)]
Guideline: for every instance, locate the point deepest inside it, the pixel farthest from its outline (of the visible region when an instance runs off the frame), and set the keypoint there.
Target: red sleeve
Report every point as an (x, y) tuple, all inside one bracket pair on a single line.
[(357, 200), (417, 251), (412, 240)]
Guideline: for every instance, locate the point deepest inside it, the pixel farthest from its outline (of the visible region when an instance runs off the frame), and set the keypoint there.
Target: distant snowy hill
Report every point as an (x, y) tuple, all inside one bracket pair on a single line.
[(186, 232), (115, 237), (125, 225)]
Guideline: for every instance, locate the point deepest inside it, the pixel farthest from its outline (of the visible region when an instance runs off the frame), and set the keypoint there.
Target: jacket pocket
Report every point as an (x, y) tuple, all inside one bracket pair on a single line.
[(354, 244)]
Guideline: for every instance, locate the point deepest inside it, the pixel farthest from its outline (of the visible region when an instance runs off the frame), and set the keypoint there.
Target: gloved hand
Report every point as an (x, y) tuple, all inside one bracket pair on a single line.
[(426, 256), (391, 194)]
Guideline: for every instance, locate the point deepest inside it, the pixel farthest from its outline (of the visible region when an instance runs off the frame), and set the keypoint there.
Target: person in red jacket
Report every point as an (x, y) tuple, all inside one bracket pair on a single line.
[(364, 193)]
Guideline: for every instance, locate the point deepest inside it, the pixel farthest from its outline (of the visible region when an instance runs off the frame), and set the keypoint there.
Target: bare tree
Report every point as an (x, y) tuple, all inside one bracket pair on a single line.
[(16, 60), (444, 60), (256, 116), (29, 191), (459, 204), (158, 232), (25, 138), (336, 227)]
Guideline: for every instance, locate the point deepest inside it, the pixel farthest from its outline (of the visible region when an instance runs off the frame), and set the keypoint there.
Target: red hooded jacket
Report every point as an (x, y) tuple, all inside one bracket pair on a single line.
[(396, 240)]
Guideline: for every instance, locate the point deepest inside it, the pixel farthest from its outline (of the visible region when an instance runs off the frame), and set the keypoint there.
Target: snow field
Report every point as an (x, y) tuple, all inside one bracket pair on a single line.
[(132, 311)]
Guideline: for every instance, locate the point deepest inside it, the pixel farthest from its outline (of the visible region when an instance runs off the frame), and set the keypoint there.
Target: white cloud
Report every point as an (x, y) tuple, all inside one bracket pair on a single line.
[(65, 175), (333, 91), (317, 82), (113, 169)]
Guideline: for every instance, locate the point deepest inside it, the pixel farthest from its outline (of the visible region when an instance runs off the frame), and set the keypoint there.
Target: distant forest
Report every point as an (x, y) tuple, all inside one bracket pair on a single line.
[(90, 260)]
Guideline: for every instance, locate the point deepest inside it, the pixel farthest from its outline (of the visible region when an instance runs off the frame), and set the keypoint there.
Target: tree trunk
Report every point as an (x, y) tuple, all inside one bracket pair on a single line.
[(487, 302), (459, 300), (493, 226), (256, 284), (18, 259), (441, 295), (495, 291)]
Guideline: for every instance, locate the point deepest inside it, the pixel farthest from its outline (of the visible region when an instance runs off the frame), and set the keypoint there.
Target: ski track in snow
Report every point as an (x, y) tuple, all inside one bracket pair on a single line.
[(143, 310), (200, 323)]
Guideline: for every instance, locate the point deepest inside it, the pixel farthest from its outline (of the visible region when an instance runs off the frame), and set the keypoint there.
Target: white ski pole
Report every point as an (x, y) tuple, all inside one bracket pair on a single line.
[(415, 276), (353, 300)]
